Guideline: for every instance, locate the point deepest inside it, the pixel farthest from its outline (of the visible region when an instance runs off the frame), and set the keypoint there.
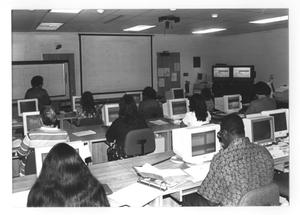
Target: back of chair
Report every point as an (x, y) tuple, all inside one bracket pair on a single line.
[(264, 196), (139, 142)]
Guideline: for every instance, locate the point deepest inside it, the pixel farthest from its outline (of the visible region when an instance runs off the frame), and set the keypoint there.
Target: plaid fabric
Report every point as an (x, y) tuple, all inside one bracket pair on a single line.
[(242, 167)]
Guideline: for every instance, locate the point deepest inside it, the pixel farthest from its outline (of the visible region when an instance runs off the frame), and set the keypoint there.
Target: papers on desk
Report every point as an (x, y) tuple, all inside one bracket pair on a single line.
[(84, 133), (159, 122), (19, 199), (134, 195), (160, 178), (199, 172)]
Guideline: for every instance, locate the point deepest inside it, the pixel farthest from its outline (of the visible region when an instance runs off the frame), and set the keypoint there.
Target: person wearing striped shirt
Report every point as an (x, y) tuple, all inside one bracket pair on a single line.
[(47, 135)]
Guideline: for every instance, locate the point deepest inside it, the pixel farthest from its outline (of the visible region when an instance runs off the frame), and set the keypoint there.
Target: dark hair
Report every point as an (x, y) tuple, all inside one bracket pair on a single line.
[(149, 93), (206, 93), (127, 108), (87, 102), (261, 88), (65, 180), (37, 81), (48, 116), (233, 124), (197, 104)]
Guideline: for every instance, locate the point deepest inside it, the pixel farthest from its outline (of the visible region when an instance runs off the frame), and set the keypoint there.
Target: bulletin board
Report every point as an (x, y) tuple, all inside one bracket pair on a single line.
[(168, 71)]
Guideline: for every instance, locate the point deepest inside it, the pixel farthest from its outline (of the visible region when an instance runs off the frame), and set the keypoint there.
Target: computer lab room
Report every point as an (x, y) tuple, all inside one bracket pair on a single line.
[(150, 107)]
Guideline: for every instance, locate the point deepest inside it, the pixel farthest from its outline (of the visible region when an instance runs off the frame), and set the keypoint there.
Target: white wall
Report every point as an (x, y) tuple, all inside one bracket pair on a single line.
[(267, 51)]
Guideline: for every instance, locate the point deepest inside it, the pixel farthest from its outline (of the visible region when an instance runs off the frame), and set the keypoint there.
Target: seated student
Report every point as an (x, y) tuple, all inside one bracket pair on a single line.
[(37, 91), (88, 112), (263, 101), (198, 114), (65, 181), (239, 167), (209, 99), (47, 135), (128, 120), (150, 107)]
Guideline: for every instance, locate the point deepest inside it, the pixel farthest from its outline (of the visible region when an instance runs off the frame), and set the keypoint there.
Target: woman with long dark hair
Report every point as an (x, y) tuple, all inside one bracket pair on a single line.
[(65, 181), (150, 106), (88, 112), (128, 120), (198, 114)]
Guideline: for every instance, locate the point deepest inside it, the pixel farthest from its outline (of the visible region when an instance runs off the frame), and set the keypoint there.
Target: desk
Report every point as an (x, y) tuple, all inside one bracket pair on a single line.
[(119, 174), (98, 140)]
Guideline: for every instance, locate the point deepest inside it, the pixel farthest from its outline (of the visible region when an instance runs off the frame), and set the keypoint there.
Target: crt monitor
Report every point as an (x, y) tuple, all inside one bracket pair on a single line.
[(31, 120), (110, 112), (229, 103), (260, 130), (27, 105), (281, 122), (196, 144), (76, 102), (242, 72), (221, 72), (175, 108), (137, 96)]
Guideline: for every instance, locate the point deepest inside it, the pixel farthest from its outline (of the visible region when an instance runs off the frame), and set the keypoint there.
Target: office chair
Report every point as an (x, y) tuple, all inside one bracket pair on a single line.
[(264, 196), (139, 142)]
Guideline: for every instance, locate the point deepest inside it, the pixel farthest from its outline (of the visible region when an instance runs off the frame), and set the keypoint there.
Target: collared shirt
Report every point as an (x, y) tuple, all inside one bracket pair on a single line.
[(190, 119), (241, 167)]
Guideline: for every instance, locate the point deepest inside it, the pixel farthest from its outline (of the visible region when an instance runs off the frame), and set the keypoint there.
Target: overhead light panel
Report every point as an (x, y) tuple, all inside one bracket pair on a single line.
[(46, 26), (172, 9), (139, 28), (210, 30), (214, 15), (270, 20), (100, 11), (65, 10)]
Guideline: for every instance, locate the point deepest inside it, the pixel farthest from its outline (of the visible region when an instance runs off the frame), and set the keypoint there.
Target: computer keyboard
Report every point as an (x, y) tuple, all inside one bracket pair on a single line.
[(279, 150)]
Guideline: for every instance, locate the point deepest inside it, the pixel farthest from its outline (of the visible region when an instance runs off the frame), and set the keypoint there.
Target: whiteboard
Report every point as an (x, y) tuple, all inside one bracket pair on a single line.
[(115, 63), (54, 75)]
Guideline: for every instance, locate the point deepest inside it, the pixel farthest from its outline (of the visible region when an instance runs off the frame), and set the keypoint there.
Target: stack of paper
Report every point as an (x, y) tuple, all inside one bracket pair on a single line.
[(84, 133), (198, 172), (134, 195)]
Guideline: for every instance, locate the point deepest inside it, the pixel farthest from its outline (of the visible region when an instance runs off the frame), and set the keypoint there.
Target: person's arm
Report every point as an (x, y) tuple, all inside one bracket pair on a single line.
[(111, 132)]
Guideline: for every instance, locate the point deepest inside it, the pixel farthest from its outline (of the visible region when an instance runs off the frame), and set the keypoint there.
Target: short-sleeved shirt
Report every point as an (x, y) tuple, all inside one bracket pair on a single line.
[(190, 119), (238, 169), (86, 118), (260, 105)]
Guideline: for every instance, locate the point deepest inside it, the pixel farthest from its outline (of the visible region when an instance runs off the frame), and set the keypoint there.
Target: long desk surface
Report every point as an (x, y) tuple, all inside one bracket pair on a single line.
[(101, 130)]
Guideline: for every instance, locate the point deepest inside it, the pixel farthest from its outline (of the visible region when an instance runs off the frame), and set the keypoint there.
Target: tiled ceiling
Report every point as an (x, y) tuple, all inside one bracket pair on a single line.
[(114, 21)]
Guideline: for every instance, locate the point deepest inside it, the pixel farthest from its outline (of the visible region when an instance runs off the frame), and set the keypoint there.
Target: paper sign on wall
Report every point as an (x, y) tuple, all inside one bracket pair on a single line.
[(163, 72), (174, 77), (176, 67), (167, 72), (161, 82)]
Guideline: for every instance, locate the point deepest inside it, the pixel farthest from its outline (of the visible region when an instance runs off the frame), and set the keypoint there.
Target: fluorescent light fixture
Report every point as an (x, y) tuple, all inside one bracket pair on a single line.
[(269, 20), (65, 10), (100, 10), (46, 26), (172, 9), (139, 28), (210, 30), (214, 15)]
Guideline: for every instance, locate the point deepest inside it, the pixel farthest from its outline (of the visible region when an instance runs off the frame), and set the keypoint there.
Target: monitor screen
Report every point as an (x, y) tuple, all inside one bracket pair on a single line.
[(261, 130), (233, 102), (221, 72), (179, 107), (279, 121), (33, 121), (241, 72), (113, 113), (203, 143), (27, 106), (76, 103), (178, 93)]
